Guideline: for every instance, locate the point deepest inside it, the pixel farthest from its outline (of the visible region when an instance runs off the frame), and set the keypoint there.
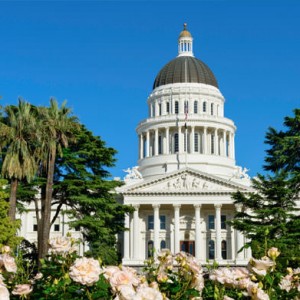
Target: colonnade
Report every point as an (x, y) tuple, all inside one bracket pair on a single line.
[(193, 139), (132, 247)]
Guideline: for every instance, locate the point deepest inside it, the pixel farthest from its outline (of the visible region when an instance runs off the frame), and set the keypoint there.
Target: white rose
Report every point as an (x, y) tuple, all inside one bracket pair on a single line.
[(126, 292), (4, 294), (148, 293), (22, 289), (85, 271), (121, 278), (8, 262), (261, 266), (61, 245)]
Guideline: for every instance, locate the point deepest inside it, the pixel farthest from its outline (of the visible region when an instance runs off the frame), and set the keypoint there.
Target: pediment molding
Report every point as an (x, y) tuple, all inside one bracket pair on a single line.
[(186, 181)]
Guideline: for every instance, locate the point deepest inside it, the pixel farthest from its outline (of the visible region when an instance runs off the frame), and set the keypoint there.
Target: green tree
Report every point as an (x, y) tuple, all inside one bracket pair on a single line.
[(8, 227), (17, 136), (82, 184), (270, 216), (56, 130), (284, 151)]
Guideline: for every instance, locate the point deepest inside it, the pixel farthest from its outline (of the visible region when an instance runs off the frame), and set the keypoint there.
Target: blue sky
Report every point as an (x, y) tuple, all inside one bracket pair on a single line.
[(103, 56)]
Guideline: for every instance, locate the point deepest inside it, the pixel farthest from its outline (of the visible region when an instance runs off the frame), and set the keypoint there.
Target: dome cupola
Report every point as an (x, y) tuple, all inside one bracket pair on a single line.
[(185, 68)]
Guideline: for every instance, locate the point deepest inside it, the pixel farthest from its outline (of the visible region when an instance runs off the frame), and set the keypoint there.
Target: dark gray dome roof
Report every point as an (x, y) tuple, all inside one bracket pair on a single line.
[(185, 69)]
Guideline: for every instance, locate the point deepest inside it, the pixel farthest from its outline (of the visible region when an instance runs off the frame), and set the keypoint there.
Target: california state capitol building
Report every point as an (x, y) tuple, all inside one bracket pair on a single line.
[(182, 186)]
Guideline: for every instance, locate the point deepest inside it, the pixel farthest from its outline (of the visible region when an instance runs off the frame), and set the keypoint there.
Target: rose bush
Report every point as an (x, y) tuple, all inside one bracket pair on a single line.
[(63, 275)]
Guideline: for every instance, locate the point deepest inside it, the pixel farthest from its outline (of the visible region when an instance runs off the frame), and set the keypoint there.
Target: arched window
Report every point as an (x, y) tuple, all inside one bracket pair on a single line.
[(211, 249), (176, 143), (195, 107), (224, 249), (176, 107), (150, 248), (211, 108), (163, 245), (204, 106)]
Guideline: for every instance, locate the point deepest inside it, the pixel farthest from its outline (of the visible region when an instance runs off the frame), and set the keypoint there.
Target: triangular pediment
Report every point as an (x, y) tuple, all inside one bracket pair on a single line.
[(184, 181)]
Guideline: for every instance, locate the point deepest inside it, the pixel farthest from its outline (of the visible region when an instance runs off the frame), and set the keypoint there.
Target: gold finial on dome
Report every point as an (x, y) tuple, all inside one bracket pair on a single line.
[(185, 32)]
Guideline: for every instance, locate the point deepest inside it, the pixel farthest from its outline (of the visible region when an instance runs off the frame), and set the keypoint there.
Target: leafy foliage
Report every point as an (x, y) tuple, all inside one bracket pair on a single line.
[(8, 227)]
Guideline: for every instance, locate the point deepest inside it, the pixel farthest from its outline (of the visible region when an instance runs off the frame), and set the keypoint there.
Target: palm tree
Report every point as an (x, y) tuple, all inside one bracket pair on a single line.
[(57, 130), (17, 136)]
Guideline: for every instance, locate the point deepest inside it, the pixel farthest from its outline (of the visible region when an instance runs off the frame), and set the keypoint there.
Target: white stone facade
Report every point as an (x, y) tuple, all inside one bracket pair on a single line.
[(183, 197)]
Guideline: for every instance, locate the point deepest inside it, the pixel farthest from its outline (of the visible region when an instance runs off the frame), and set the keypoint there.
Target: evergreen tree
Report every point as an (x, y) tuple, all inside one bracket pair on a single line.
[(270, 216), (82, 185)]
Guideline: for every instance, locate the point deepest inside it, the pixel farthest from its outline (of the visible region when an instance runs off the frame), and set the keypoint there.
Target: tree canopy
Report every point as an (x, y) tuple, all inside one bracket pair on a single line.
[(69, 169), (270, 215)]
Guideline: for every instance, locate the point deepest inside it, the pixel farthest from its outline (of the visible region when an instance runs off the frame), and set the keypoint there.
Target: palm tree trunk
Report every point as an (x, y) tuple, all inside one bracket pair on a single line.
[(13, 199), (44, 231)]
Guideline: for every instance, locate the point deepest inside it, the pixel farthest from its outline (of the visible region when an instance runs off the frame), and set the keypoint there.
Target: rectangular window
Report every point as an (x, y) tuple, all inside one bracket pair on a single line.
[(211, 222), (223, 222), (195, 107), (35, 227), (162, 222), (176, 143), (212, 108), (168, 107), (159, 109), (150, 222), (196, 142), (162, 219), (56, 226), (212, 144), (204, 106), (176, 107), (159, 144)]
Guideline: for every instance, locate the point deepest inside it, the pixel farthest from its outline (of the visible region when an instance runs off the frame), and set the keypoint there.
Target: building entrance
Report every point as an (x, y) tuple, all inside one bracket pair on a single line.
[(188, 246)]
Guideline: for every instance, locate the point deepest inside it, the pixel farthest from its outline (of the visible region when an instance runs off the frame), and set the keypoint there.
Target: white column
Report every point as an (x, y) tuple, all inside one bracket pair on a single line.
[(167, 141), (233, 146), (148, 143), (198, 237), (156, 227), (126, 238), (224, 143), (136, 232), (216, 142), (229, 145), (179, 140), (239, 238), (218, 232), (156, 142), (176, 228), (172, 238), (204, 140), (192, 139), (141, 146)]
